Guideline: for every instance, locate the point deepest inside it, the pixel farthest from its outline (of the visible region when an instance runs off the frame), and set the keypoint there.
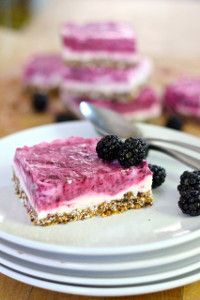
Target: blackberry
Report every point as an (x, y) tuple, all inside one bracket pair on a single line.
[(159, 175), (190, 180), (174, 122), (189, 189), (62, 117), (39, 102), (190, 206), (108, 147), (132, 152)]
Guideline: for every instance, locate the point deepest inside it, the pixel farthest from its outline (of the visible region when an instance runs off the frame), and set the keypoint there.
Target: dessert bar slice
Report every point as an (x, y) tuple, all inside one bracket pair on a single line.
[(102, 43), (106, 83), (145, 105), (66, 181), (43, 72), (183, 97)]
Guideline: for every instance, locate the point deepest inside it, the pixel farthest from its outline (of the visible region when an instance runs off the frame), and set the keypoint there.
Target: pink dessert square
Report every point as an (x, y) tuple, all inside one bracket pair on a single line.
[(183, 97), (105, 82), (100, 42), (146, 105), (65, 180), (43, 72)]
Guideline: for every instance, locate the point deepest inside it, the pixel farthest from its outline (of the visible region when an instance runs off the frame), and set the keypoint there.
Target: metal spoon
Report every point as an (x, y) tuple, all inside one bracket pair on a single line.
[(108, 122)]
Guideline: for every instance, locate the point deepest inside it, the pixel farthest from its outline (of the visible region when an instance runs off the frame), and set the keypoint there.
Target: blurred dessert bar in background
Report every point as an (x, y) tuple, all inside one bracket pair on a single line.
[(43, 72), (183, 97), (145, 105), (106, 83), (103, 43)]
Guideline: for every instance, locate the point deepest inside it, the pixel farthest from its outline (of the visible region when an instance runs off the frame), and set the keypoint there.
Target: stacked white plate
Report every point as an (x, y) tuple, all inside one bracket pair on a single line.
[(137, 252)]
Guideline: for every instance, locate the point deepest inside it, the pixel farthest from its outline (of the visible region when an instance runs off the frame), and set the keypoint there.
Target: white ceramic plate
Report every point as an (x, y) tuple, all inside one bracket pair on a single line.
[(120, 266), (104, 291), (156, 227), (84, 277)]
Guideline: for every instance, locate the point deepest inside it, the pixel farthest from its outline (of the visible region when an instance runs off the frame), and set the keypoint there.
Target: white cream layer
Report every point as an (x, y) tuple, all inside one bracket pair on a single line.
[(87, 200), (139, 77), (87, 56), (21, 178)]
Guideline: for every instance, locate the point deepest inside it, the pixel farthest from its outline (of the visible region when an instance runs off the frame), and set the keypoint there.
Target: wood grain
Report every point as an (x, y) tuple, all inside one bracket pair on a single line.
[(168, 32)]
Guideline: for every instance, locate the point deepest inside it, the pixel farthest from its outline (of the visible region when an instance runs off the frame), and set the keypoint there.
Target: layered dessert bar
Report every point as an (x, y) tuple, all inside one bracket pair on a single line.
[(43, 72), (183, 97), (105, 83), (105, 43), (65, 180), (146, 105)]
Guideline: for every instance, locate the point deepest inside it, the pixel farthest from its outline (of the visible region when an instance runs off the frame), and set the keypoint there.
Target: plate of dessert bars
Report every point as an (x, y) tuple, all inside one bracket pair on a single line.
[(103, 64), (73, 222)]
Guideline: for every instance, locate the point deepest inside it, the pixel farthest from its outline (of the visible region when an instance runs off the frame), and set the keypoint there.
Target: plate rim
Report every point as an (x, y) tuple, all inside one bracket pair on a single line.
[(81, 266), (92, 281), (94, 291)]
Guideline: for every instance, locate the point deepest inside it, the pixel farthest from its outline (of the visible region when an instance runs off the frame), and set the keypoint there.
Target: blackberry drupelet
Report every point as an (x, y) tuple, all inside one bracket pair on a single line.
[(174, 122), (159, 175), (132, 152), (189, 189), (108, 147), (39, 102)]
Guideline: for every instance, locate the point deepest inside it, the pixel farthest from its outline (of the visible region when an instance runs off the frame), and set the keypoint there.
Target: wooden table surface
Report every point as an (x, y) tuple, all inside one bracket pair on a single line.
[(168, 31)]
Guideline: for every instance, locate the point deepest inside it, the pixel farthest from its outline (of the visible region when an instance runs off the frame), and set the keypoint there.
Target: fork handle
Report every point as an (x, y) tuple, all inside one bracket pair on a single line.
[(188, 160), (177, 143)]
